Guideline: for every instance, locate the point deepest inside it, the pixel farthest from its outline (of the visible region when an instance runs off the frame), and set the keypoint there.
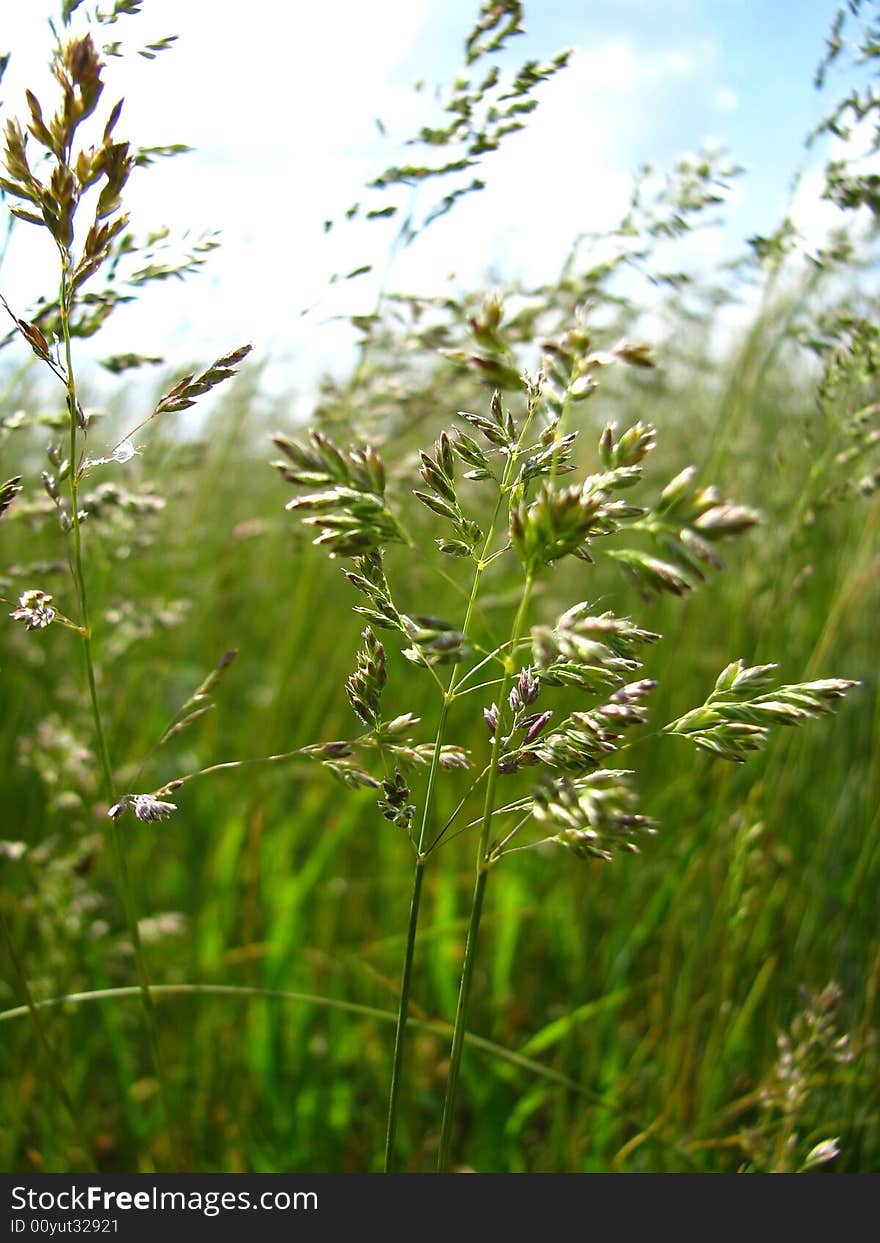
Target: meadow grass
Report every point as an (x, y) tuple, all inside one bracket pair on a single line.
[(647, 1014), (659, 987)]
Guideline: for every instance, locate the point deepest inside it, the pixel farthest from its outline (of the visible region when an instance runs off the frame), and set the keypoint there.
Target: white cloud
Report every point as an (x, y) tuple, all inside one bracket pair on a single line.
[(619, 66), (812, 216), (815, 217), (280, 107), (281, 111), (725, 99)]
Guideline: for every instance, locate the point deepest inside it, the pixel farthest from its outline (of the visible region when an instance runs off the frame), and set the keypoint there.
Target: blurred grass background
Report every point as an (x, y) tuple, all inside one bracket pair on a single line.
[(650, 992), (658, 984)]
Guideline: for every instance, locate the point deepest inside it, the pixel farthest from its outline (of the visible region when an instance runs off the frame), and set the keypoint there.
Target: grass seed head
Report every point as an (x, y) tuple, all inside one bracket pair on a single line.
[(35, 609)]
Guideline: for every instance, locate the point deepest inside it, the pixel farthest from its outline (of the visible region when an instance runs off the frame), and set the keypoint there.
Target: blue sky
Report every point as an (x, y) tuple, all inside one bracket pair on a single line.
[(280, 102), (764, 51)]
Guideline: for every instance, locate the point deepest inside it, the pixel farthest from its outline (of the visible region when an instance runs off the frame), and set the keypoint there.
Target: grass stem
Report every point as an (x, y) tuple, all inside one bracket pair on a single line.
[(403, 1010), (484, 862), (78, 573)]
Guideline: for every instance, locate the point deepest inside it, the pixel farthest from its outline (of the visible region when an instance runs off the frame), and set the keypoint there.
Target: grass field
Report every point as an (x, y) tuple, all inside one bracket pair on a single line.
[(671, 1010)]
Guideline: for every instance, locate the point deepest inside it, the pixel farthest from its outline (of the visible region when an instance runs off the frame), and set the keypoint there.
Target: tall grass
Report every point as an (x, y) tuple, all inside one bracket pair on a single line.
[(645, 1014)]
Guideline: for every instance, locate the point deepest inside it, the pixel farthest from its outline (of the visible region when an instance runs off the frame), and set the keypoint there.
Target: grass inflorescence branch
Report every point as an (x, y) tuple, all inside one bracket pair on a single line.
[(575, 793)]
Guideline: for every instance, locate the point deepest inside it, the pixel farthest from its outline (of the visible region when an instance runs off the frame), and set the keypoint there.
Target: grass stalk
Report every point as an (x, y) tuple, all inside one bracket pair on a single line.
[(418, 875), (246, 992), (483, 562), (78, 573), (484, 862), (402, 1013)]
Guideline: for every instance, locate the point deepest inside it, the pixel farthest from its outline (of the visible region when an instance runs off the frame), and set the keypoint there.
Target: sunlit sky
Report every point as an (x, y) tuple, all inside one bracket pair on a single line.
[(280, 100)]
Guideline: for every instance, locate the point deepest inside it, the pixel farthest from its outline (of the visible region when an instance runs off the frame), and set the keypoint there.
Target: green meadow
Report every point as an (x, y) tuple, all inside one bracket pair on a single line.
[(707, 1004)]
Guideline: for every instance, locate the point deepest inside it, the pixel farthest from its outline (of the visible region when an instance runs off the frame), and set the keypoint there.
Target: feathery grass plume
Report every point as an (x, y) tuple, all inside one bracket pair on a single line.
[(514, 458), (579, 743), (736, 720), (38, 610), (35, 609), (662, 206), (572, 366), (596, 654), (368, 577), (551, 706), (555, 524), (350, 513), (395, 806), (143, 806), (590, 651), (8, 492), (364, 687), (850, 181), (685, 523), (181, 396), (844, 435), (200, 702), (479, 114), (790, 1097), (66, 172), (406, 330), (48, 194), (595, 816), (434, 641), (438, 474), (51, 199), (491, 357)]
